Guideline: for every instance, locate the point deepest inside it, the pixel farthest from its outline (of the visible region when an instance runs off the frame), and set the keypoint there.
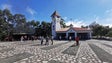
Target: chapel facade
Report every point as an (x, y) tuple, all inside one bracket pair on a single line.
[(65, 33)]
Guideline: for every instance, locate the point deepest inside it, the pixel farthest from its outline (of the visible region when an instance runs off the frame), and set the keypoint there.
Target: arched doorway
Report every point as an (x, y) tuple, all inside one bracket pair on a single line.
[(72, 35)]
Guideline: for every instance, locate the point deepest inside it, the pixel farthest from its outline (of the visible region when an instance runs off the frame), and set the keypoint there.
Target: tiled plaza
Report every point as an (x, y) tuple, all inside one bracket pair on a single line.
[(89, 51)]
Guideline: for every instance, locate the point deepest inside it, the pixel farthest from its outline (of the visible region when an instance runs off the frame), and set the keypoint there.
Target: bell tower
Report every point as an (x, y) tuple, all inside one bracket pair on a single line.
[(55, 23)]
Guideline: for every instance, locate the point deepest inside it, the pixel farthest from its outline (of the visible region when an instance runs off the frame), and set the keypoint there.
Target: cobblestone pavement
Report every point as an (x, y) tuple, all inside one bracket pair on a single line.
[(33, 52)]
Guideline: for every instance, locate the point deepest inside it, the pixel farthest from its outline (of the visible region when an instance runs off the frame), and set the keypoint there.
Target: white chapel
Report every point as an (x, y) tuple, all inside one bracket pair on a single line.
[(65, 33)]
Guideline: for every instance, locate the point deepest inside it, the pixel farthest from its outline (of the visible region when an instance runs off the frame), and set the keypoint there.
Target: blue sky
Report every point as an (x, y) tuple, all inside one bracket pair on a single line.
[(77, 12)]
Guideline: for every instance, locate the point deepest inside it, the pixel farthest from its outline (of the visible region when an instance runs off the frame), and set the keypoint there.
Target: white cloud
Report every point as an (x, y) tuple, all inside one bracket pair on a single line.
[(75, 23), (6, 6), (108, 13), (30, 10), (110, 25), (106, 19), (65, 18)]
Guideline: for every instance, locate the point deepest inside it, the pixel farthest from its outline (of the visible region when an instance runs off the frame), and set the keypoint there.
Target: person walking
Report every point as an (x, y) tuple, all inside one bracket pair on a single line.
[(51, 40), (47, 41), (60, 37), (77, 40), (42, 38), (32, 38), (22, 38), (70, 38)]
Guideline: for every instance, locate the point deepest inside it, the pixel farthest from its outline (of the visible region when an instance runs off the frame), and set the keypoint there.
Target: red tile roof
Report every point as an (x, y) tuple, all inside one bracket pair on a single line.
[(63, 30), (74, 28), (80, 29)]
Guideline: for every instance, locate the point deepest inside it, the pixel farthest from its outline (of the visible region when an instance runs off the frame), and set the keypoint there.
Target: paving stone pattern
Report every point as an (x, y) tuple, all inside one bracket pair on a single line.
[(15, 57), (102, 54), (86, 55), (88, 51), (72, 50), (52, 46)]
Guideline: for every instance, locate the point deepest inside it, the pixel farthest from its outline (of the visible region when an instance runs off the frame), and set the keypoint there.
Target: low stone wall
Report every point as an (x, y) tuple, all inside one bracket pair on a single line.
[(102, 38)]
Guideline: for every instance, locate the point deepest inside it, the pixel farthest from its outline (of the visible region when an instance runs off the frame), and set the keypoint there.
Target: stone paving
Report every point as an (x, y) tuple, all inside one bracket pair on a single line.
[(59, 52)]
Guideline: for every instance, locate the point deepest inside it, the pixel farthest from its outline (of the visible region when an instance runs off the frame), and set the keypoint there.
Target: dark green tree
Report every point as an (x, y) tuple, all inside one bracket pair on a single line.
[(100, 30), (109, 34), (44, 29), (20, 21), (32, 26), (6, 20), (62, 22), (2, 25)]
